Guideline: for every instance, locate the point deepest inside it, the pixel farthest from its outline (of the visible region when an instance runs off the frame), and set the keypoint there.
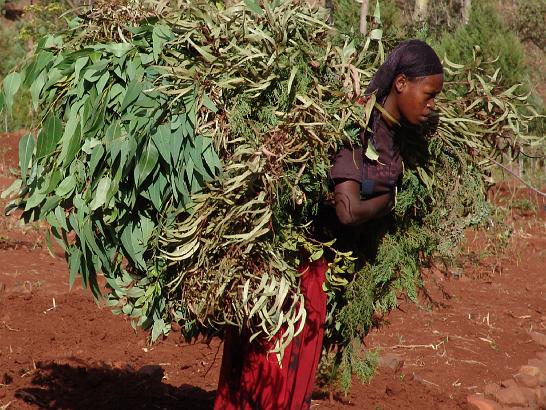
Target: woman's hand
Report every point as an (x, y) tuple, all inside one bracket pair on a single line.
[(351, 210)]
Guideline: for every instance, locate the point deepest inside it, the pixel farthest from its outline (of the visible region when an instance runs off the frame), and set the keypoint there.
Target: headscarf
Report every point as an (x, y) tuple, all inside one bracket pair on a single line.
[(414, 58)]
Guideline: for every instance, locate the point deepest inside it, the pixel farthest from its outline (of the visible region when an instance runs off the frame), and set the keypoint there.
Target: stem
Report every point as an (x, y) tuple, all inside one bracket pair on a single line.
[(363, 15), (532, 188)]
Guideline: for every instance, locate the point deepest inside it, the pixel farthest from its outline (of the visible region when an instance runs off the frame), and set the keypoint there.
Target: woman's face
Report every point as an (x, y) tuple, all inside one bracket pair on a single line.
[(415, 97)]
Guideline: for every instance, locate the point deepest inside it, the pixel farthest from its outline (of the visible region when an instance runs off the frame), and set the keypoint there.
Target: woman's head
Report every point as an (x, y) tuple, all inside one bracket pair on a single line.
[(408, 81)]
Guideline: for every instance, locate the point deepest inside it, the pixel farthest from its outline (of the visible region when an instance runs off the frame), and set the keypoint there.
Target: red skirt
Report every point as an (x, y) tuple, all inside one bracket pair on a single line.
[(251, 378)]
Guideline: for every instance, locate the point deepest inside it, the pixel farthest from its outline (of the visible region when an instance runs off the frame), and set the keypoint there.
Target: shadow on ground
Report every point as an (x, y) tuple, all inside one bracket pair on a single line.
[(64, 387)]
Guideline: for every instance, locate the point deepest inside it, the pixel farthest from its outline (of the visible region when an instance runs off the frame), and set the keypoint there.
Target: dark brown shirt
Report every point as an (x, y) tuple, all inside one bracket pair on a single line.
[(375, 177)]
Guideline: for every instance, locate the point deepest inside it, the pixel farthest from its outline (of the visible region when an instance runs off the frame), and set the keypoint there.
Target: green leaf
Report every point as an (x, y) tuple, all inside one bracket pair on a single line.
[(53, 181), (211, 159), (50, 203), (131, 240), (73, 147), (207, 102), (146, 164), (371, 152), (50, 134), (90, 145), (147, 227), (160, 35), (34, 200), (51, 41), (13, 188), (176, 145), (96, 157), (131, 69), (133, 91), (196, 154), (317, 255), (204, 51), (376, 34), (101, 83), (156, 191), (42, 60), (66, 186), (78, 66), (253, 6), (100, 193), (147, 58), (162, 139), (377, 13), (36, 89), (74, 261), (60, 214), (119, 49), (26, 148), (98, 256), (10, 85), (158, 329), (71, 135)]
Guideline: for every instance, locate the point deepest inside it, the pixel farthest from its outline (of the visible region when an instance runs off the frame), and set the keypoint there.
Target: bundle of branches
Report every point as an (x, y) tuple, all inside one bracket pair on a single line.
[(184, 158)]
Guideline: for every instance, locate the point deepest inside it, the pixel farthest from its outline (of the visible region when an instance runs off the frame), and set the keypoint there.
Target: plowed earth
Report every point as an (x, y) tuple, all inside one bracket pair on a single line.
[(60, 350)]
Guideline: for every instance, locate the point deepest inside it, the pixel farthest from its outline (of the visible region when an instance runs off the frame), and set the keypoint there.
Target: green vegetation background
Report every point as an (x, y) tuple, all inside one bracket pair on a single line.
[(498, 35)]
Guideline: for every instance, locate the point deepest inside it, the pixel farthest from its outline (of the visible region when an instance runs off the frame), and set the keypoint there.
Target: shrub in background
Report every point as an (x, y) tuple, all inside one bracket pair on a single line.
[(346, 16), (13, 53), (16, 40), (487, 30), (529, 21)]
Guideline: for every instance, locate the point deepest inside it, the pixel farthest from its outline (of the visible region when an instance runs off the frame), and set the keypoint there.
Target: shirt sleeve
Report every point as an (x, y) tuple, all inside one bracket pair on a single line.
[(347, 164)]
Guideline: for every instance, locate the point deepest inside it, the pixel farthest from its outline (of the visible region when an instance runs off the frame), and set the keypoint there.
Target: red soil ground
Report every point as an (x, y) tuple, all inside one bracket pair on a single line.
[(60, 350)]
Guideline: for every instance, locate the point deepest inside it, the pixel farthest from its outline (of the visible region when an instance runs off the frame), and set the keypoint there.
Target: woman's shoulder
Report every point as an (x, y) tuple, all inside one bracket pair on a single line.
[(347, 164)]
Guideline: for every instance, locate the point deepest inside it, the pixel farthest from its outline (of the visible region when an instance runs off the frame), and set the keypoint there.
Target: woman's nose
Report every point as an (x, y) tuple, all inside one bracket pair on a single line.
[(431, 105)]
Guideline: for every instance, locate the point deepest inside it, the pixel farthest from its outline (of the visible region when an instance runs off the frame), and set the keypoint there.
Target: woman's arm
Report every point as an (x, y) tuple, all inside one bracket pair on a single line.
[(351, 210)]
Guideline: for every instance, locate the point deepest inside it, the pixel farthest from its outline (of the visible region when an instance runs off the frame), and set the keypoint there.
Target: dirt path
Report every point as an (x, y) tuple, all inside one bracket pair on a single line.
[(59, 350)]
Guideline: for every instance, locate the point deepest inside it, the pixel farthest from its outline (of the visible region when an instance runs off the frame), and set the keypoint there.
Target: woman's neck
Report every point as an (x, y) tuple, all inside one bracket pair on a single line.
[(393, 112)]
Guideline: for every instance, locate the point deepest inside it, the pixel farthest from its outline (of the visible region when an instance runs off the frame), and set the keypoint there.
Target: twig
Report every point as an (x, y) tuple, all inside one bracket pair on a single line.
[(473, 362), (52, 307), (532, 188), (9, 328), (421, 380), (433, 347), (214, 359), (28, 373), (296, 182), (434, 384), (5, 406), (519, 317)]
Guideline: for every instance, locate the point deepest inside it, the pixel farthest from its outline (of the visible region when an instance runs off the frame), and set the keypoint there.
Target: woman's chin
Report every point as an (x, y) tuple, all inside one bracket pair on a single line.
[(415, 122), (422, 120)]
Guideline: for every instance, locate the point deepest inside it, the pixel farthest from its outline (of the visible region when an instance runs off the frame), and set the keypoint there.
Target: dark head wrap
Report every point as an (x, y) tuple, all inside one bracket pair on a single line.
[(414, 58)]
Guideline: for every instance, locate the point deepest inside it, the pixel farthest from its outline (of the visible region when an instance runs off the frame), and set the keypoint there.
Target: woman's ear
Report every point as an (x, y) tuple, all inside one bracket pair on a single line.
[(400, 82)]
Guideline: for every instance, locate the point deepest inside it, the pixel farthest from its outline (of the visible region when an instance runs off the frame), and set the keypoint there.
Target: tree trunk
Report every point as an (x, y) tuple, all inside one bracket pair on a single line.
[(420, 10), (364, 16), (467, 6), (330, 6), (314, 4)]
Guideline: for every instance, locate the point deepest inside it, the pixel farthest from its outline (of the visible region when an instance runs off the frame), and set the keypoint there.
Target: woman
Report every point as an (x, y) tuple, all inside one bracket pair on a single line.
[(405, 85)]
